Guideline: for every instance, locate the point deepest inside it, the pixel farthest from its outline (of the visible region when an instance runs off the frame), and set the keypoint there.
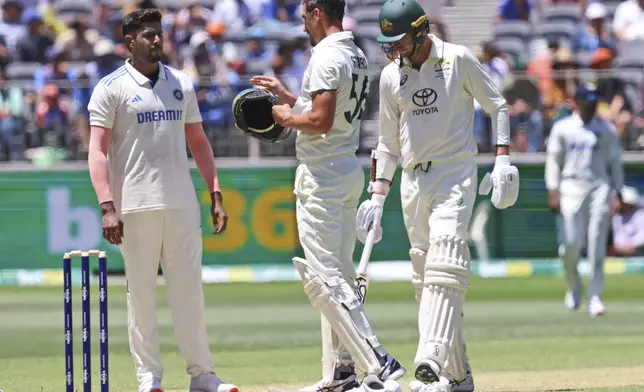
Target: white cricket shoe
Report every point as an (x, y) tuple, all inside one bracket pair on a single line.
[(151, 386), (209, 382), (572, 300), (445, 384), (344, 380), (465, 385), (373, 384), (596, 307)]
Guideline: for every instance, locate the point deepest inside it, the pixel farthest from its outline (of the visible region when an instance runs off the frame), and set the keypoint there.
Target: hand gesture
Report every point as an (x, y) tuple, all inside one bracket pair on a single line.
[(218, 214), (270, 83), (112, 225)]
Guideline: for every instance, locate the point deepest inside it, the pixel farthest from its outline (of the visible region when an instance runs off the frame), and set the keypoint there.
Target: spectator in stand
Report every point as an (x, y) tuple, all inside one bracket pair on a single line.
[(514, 10), (627, 237), (593, 33), (558, 99), (33, 47), (78, 45), (628, 23), (12, 26), (237, 15), (614, 104), (53, 117), (11, 119)]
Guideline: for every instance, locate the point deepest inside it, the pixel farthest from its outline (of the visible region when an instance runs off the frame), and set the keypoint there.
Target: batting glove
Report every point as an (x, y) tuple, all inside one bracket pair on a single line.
[(503, 182)]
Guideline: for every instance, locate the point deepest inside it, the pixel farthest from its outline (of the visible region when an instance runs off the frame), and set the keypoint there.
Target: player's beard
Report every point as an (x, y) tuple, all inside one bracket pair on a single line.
[(154, 56)]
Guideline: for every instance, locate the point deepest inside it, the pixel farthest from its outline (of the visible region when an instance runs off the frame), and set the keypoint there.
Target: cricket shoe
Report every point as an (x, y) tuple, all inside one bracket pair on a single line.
[(596, 307), (464, 385), (428, 372), (374, 384), (209, 382), (572, 300), (152, 386), (390, 368), (344, 379)]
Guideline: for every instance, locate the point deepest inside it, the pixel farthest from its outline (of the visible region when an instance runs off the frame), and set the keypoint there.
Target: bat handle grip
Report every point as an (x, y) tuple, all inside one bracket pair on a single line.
[(366, 252)]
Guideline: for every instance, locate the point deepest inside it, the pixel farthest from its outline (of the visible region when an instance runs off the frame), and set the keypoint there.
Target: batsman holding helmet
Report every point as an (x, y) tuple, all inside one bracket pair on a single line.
[(427, 98), (581, 148), (328, 183)]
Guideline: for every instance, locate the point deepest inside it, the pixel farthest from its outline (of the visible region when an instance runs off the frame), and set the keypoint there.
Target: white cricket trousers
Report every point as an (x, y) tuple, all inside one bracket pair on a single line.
[(327, 195), (585, 217), (438, 200), (173, 238)]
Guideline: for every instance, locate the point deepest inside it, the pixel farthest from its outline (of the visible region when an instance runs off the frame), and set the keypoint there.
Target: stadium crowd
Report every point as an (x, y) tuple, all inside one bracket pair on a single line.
[(53, 51)]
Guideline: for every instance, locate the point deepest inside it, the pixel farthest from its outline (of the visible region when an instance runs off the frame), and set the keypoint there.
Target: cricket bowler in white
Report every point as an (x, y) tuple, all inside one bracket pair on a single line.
[(141, 117), (427, 98), (328, 183), (584, 176)]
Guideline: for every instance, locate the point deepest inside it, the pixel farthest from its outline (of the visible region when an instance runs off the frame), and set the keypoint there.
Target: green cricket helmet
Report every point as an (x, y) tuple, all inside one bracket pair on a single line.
[(399, 17)]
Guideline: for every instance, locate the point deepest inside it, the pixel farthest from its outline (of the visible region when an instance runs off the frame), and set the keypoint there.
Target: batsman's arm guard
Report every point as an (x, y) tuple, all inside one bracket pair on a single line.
[(383, 167)]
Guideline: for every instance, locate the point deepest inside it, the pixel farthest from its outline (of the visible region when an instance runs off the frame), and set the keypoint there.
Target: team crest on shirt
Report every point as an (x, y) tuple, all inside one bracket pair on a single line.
[(441, 67), (178, 95)]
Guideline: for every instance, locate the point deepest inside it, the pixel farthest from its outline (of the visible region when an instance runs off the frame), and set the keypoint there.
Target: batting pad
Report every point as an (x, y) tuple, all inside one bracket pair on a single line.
[(458, 364), (338, 302), (418, 258), (446, 276), (333, 351)]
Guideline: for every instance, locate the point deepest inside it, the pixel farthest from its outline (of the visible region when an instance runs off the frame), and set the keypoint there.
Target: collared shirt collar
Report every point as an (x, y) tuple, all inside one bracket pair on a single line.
[(139, 77), (332, 38), (437, 47)]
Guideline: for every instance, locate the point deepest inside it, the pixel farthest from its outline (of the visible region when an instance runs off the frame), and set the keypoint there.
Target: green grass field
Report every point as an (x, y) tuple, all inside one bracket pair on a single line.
[(521, 338)]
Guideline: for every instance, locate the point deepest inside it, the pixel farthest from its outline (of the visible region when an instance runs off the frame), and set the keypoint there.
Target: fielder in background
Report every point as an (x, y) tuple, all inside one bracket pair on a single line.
[(427, 98), (581, 148), (141, 117), (328, 184)]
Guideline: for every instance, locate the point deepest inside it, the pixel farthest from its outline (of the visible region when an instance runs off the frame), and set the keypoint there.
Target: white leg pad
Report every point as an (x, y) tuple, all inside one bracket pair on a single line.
[(337, 300), (418, 258), (458, 364), (446, 277), (333, 352)]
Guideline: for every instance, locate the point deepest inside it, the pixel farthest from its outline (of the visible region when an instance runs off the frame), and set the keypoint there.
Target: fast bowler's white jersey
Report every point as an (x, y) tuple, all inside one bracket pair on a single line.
[(428, 114), (579, 155), (336, 64), (147, 159)]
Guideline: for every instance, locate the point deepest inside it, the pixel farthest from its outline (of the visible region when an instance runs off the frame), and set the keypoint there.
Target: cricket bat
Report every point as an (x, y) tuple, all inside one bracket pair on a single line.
[(362, 280)]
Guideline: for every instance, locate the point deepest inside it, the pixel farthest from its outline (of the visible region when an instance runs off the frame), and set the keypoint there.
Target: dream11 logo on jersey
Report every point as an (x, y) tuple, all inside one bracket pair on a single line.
[(424, 99)]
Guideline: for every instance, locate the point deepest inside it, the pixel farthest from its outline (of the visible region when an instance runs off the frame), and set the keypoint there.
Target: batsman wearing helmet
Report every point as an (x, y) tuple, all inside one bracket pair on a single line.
[(328, 183), (584, 193), (427, 98)]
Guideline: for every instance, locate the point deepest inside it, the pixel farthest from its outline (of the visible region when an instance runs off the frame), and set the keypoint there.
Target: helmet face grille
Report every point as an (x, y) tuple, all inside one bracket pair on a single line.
[(259, 115)]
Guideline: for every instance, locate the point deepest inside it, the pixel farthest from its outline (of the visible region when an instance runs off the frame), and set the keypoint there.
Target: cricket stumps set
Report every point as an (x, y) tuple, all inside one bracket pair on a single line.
[(85, 257)]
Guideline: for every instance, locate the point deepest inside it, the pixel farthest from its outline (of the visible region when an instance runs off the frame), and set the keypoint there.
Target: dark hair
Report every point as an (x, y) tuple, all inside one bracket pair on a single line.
[(133, 21), (334, 9)]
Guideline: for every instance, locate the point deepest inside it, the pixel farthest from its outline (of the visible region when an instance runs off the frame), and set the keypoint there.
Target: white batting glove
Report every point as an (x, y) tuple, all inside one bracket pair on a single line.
[(370, 212), (503, 182)]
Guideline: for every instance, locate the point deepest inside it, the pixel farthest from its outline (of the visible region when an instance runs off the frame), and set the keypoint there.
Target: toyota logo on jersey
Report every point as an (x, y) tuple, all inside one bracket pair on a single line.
[(424, 99)]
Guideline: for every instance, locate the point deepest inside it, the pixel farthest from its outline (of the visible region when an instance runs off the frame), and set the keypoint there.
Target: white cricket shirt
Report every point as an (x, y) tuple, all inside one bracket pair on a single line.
[(336, 64), (428, 114), (578, 155), (147, 158)]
